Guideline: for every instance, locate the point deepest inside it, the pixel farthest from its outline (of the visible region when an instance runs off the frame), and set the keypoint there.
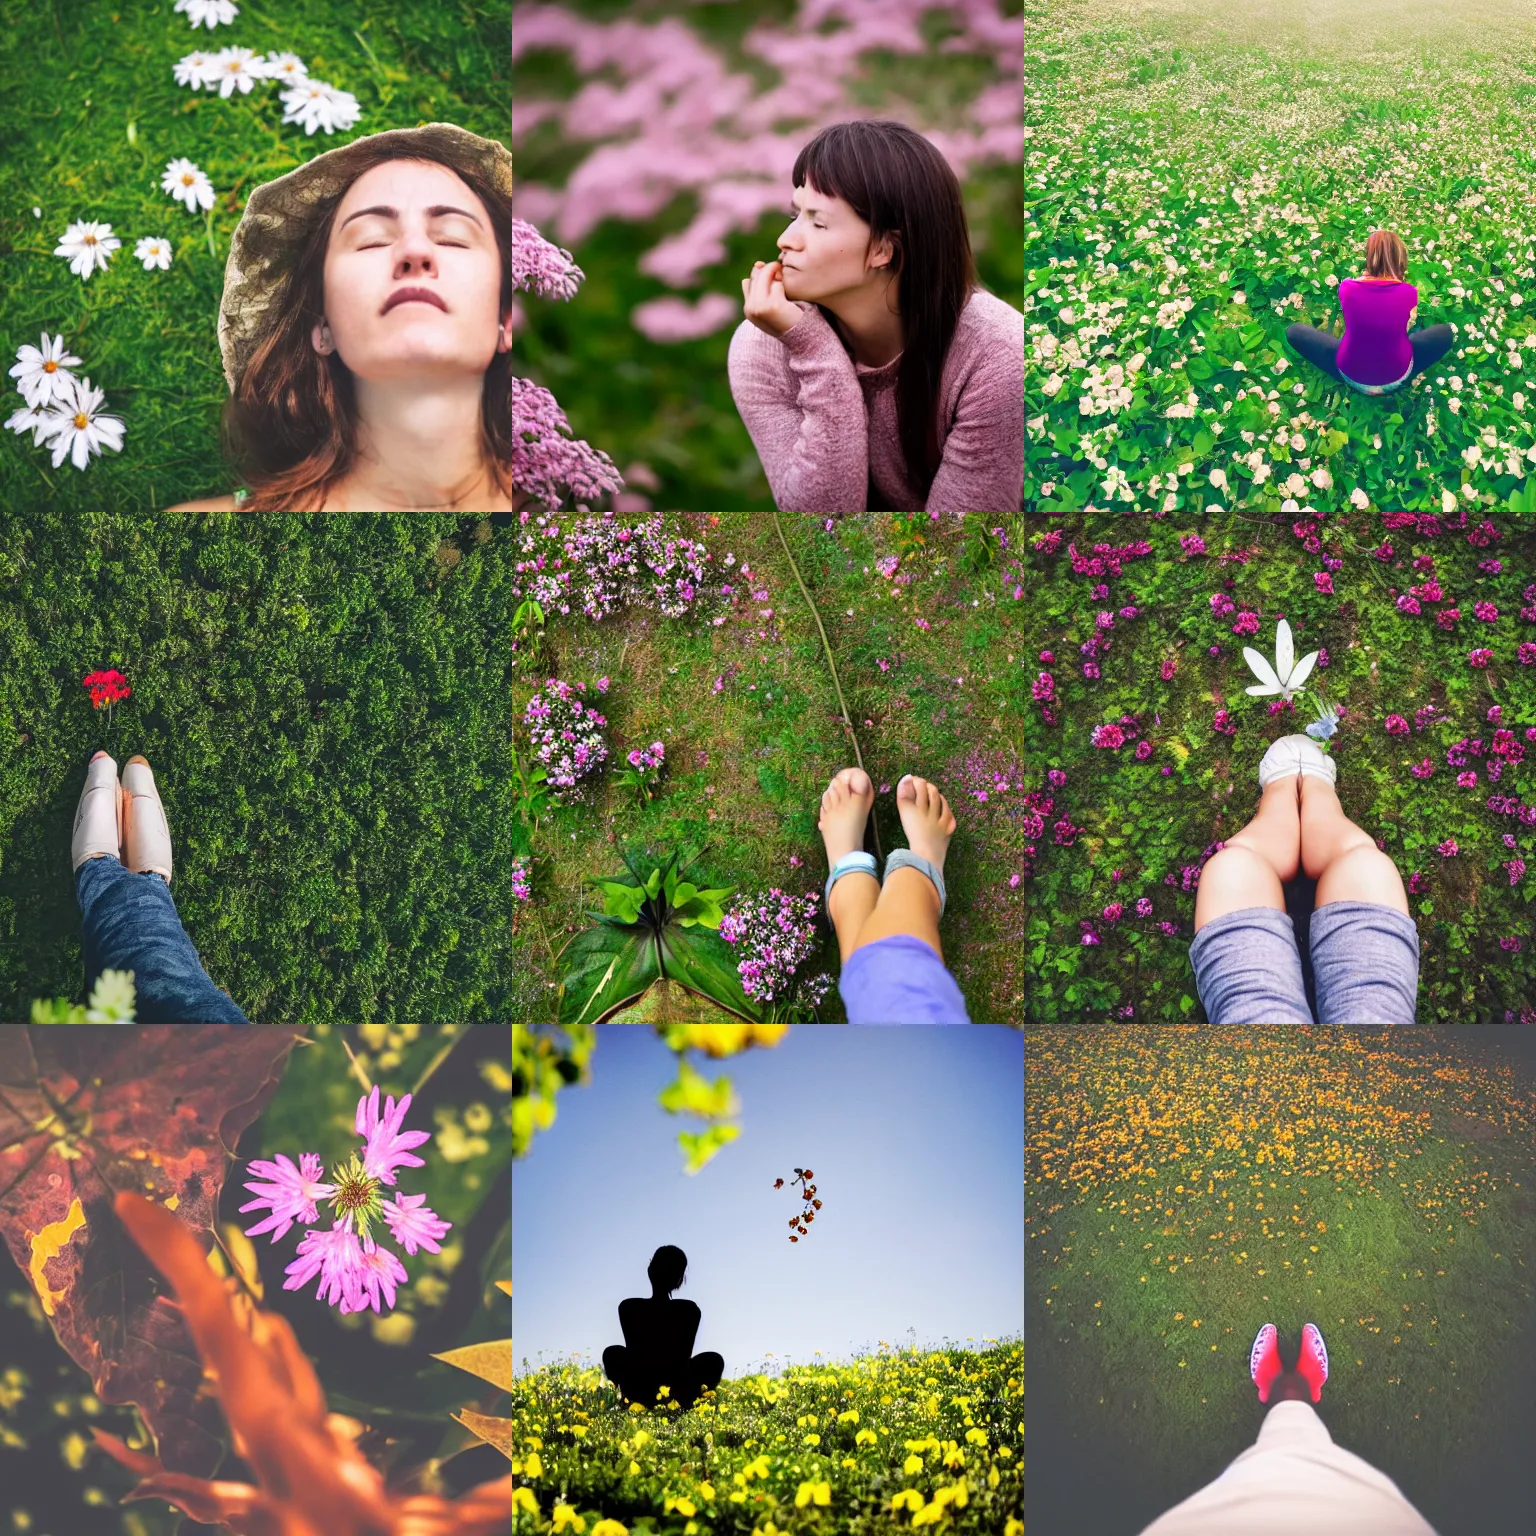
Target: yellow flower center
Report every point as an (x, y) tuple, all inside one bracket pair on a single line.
[(186, 180), (50, 366), (81, 421), (90, 239)]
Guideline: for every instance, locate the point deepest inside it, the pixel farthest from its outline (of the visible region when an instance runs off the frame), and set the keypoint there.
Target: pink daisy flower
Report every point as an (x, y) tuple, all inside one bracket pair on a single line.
[(354, 1272), (290, 1195)]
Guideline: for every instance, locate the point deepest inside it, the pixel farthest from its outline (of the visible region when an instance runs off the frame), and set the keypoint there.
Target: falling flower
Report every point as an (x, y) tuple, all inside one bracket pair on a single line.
[(106, 687), (76, 427), (187, 185), (88, 246), (1326, 723), (354, 1273), (42, 373), (1287, 675), (153, 252)]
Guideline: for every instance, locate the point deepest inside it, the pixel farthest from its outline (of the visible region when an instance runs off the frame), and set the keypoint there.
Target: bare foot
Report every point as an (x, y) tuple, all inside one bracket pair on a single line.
[(926, 817), (844, 812)]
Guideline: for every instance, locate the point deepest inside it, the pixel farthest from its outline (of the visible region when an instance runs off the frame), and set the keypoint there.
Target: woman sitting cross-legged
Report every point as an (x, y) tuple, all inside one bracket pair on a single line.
[(888, 934), (1377, 353), (1364, 945), (659, 1331)]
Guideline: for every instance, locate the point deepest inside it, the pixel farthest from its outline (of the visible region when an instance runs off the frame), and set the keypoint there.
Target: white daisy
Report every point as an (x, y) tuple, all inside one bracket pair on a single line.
[(232, 67), (287, 67), (187, 185), (153, 252), (207, 13), (197, 69), (317, 104), (78, 429), (88, 245), (42, 374), (29, 420)]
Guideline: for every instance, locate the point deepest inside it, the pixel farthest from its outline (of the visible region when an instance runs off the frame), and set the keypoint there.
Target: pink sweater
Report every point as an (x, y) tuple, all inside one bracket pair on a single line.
[(825, 426)]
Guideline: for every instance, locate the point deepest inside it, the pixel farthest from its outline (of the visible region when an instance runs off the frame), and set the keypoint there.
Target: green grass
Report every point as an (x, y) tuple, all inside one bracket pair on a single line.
[(670, 405), (760, 1439), (745, 772), (1155, 818), (324, 703), (1176, 1176), (93, 113)]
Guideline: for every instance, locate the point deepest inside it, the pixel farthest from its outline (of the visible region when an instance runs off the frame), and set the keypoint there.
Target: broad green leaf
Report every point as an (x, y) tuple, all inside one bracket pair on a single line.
[(694, 1094), (702, 961), (702, 1145), (603, 968)]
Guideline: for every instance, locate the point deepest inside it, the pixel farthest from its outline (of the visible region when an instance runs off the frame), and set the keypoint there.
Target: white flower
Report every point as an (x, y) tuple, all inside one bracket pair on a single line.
[(153, 252), (1453, 405), (88, 245), (37, 213), (29, 420), (1051, 385), (77, 428), (1472, 453), (196, 69), (1359, 498), (187, 185), (42, 374), (1287, 675), (1219, 477), (1321, 478), (233, 67), (285, 66), (1239, 297), (207, 13), (1518, 400), (317, 104)]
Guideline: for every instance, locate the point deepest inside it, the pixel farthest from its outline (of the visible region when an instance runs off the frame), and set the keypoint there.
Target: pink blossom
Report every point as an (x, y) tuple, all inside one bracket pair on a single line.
[(413, 1225), (1143, 751), (380, 1271), (337, 1257), (1396, 725), (1143, 906), (1448, 617), (1479, 658), (1466, 780), (1382, 552), (388, 1146), (1423, 770), (1108, 736), (290, 1194), (1013, 882), (1416, 882), (1247, 624), (1323, 582), (1408, 604), (1170, 666), (1192, 543), (1112, 912), (1448, 849), (1516, 868), (1487, 612), (1526, 655), (1056, 777)]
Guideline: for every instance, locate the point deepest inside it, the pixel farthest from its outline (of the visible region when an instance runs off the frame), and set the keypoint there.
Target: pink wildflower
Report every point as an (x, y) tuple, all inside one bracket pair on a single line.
[(1448, 849), (413, 1226), (1108, 736), (1479, 658), (1396, 725), (290, 1195), (1323, 581), (388, 1147)]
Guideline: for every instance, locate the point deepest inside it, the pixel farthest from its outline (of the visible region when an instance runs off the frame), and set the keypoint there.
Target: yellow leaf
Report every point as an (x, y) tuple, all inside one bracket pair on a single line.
[(49, 1244), (504, 1285), (497, 1432), (490, 1361)]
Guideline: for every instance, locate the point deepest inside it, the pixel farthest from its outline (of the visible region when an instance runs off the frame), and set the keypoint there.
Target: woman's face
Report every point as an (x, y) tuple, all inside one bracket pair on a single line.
[(823, 250), (412, 276)]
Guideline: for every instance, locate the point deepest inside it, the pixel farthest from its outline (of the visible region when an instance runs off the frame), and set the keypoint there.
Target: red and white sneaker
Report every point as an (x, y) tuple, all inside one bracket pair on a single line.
[(1313, 1361), (1264, 1360)]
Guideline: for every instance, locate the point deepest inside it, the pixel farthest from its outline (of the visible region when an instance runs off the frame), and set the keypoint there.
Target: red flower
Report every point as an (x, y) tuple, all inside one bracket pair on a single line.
[(106, 687)]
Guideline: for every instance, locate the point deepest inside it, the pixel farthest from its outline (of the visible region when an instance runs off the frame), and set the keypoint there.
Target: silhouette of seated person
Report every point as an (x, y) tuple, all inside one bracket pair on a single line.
[(658, 1341)]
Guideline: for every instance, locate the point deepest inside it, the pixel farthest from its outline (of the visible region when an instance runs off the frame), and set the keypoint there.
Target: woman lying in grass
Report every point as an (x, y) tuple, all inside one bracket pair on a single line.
[(1377, 353), (872, 372), (888, 933), (366, 330)]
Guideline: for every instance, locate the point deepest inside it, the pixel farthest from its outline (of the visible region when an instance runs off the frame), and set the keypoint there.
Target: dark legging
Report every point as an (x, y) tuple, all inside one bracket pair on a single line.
[(1322, 350), (684, 1381)]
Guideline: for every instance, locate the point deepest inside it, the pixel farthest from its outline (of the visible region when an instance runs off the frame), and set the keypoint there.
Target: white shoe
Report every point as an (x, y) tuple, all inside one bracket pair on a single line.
[(146, 837), (98, 827), (1296, 754)]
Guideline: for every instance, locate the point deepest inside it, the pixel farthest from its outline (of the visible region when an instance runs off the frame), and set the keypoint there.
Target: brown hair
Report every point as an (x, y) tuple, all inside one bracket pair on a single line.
[(1386, 256), (903, 188), (290, 427)]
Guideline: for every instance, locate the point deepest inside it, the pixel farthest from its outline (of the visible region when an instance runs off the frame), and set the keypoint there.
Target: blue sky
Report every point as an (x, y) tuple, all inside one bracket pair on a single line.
[(916, 1140)]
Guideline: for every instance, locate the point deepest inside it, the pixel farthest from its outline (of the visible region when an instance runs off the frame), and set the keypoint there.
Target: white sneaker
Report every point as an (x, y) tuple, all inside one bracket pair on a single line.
[(97, 826), (146, 837), (1296, 754)]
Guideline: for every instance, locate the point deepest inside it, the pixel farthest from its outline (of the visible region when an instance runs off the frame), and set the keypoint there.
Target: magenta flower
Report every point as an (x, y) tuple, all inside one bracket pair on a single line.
[(290, 1195), (354, 1272), (1108, 736), (1479, 658), (1487, 612), (1396, 725), (1143, 906), (1526, 655), (388, 1148), (1323, 581), (1448, 849)]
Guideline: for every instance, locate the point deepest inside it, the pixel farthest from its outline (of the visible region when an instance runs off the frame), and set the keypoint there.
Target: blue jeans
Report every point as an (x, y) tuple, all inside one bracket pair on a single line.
[(1322, 349), (129, 923)]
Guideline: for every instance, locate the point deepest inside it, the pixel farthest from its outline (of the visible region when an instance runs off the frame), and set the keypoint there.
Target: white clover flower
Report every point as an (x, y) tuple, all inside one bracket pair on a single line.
[(112, 999), (1453, 405), (1290, 506), (1518, 400), (42, 373), (1219, 478), (1239, 297), (187, 185), (153, 252), (37, 212), (88, 246)]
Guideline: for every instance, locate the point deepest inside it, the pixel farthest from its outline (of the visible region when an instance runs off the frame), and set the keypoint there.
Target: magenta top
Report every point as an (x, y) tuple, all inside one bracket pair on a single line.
[(825, 426), (1375, 348)]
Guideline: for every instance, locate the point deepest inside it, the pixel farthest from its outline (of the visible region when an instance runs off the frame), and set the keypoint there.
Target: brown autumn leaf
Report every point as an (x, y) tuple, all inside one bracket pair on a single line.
[(313, 1481), (89, 1110)]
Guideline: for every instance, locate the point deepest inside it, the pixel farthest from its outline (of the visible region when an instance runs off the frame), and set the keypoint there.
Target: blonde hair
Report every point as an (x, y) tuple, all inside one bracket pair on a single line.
[(1386, 255)]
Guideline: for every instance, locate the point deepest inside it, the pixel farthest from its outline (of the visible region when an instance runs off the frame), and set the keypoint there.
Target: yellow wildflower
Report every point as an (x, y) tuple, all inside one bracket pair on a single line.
[(566, 1516), (865, 1437), (609, 1528), (532, 1466), (908, 1498), (522, 1498), (912, 1464), (806, 1492)]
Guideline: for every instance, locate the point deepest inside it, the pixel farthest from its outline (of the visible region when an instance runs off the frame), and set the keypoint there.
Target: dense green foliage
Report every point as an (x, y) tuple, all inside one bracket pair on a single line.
[(1153, 819), (324, 703), (748, 760), (883, 1442), (93, 115), (669, 405)]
